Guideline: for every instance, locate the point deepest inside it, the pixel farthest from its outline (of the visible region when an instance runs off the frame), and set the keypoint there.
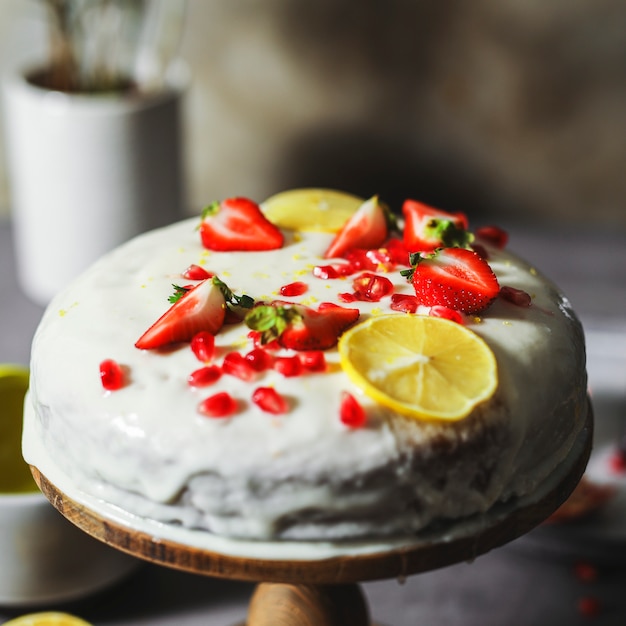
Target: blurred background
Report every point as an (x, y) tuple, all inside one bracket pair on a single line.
[(507, 110)]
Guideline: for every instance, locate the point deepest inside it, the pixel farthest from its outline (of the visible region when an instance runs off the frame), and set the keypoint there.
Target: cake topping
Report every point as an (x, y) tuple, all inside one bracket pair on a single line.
[(269, 400), (421, 367), (427, 228), (220, 404), (201, 308), (310, 209), (300, 327), (237, 224), (453, 277), (111, 375), (351, 413), (367, 228)]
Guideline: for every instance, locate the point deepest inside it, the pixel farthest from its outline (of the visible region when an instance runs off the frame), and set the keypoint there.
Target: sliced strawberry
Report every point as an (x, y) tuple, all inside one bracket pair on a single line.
[(367, 228), (454, 277), (299, 327), (238, 224), (201, 308), (427, 228)]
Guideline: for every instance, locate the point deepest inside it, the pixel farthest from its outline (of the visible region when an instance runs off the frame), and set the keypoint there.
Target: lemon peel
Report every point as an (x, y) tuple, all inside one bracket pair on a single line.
[(421, 367)]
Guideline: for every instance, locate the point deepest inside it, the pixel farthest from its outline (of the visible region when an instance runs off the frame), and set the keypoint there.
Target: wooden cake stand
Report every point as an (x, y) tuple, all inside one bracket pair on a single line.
[(325, 592)]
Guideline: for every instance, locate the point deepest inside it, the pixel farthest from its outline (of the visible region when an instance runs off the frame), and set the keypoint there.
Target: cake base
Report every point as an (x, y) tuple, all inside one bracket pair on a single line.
[(317, 587)]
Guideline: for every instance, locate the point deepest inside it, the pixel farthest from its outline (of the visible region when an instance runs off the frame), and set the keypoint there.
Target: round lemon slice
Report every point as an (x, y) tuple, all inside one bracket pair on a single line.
[(418, 366), (321, 210), (48, 618)]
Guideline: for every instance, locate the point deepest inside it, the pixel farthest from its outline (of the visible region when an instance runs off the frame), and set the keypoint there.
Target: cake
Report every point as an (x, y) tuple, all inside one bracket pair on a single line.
[(231, 374)]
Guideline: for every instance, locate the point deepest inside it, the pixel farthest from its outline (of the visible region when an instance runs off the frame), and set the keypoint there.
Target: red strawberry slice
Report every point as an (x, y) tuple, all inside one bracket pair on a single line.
[(367, 228), (238, 224), (201, 308), (427, 228), (456, 278), (299, 327)]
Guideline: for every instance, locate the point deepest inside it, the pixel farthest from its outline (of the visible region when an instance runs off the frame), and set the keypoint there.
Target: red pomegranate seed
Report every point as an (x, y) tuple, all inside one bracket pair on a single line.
[(288, 366), (516, 296), (221, 404), (203, 346), (111, 375), (269, 400), (313, 361), (404, 303), (588, 606), (447, 313), (293, 289), (236, 364), (325, 272), (351, 413), (585, 572), (617, 462), (204, 376), (195, 272), (259, 359), (398, 254), (371, 288), (347, 297), (493, 235)]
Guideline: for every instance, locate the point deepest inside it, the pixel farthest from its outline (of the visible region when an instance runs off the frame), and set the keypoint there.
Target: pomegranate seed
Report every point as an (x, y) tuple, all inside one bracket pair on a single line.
[(493, 235), (195, 272), (204, 376), (617, 461), (371, 288), (259, 359), (481, 251), (447, 313), (516, 296), (347, 297), (236, 364), (203, 345), (359, 259), (288, 366), (221, 404), (404, 303), (585, 572), (293, 289), (313, 361), (589, 606), (325, 272), (397, 252), (351, 413), (269, 400), (111, 375)]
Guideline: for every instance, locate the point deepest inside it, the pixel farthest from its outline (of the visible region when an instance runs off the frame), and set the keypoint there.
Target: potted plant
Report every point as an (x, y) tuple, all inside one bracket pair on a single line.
[(93, 136)]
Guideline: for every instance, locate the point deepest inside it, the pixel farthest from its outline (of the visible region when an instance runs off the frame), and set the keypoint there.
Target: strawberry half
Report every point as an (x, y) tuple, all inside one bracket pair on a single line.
[(367, 228), (238, 224), (299, 327), (427, 228), (453, 277), (202, 307)]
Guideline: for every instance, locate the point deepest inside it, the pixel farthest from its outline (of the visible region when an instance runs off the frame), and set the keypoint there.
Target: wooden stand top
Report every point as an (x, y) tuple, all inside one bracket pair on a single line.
[(493, 529)]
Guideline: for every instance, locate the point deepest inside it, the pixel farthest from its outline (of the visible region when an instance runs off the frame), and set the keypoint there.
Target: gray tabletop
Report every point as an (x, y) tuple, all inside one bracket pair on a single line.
[(534, 581)]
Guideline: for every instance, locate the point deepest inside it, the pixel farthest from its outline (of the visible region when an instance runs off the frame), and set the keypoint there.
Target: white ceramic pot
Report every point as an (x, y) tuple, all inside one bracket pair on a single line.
[(86, 173)]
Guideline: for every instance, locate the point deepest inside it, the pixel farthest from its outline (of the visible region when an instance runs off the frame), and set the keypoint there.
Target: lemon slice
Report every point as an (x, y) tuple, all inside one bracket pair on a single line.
[(321, 210), (15, 476), (48, 618), (421, 367)]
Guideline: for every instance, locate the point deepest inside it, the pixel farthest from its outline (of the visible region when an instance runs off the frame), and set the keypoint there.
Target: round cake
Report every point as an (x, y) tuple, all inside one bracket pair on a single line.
[(309, 369)]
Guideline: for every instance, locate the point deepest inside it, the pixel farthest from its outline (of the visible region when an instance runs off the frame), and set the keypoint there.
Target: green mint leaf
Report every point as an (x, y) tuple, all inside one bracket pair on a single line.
[(179, 292)]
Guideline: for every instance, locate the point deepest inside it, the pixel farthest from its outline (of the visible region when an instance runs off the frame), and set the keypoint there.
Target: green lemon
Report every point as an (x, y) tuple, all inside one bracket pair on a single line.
[(15, 476)]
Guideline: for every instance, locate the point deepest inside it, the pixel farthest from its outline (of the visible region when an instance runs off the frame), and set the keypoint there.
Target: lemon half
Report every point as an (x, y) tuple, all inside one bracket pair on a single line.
[(418, 366), (48, 618), (311, 209)]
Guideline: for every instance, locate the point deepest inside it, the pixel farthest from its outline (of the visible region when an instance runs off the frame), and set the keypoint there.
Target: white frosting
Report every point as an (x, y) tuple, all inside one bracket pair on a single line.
[(147, 448)]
